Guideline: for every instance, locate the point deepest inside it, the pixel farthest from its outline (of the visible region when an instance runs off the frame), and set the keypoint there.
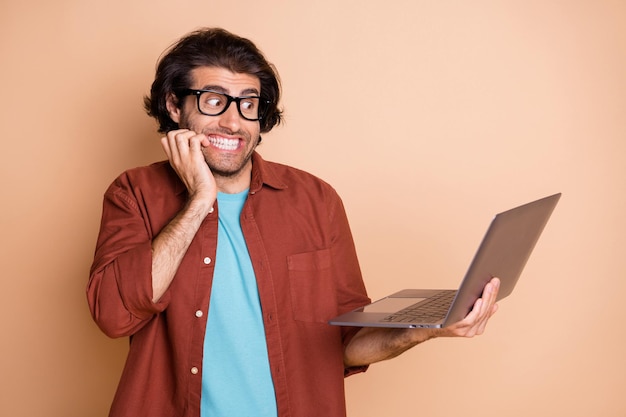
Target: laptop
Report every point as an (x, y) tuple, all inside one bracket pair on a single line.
[(503, 253)]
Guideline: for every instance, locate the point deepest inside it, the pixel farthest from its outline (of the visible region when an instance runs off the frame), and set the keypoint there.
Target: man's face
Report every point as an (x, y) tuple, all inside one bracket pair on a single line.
[(231, 138)]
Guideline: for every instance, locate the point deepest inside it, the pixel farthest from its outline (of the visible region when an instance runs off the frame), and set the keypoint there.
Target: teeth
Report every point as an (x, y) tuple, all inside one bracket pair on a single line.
[(225, 144)]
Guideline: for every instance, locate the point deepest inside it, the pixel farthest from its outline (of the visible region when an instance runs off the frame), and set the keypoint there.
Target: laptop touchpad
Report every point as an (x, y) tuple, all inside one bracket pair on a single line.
[(391, 304)]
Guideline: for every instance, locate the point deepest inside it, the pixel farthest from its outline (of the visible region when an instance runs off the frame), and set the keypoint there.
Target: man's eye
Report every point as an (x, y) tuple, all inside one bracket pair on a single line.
[(248, 104), (213, 101)]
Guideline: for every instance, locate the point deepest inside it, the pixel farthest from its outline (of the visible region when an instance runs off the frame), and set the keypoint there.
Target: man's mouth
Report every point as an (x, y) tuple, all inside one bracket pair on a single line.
[(224, 144)]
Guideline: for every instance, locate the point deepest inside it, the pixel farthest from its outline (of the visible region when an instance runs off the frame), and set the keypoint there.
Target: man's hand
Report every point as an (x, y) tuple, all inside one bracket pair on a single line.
[(373, 344), (183, 148), (475, 322)]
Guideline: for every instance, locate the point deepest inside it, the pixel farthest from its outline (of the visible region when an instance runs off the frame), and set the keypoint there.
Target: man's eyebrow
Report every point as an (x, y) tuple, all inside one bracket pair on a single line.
[(220, 89), (250, 92)]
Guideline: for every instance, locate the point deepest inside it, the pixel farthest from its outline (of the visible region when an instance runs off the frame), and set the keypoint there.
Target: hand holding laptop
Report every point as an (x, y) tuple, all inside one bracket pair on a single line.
[(408, 317), (375, 344), (475, 322)]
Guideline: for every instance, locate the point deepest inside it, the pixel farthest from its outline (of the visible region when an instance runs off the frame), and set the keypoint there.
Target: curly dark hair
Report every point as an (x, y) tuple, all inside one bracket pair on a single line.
[(211, 47)]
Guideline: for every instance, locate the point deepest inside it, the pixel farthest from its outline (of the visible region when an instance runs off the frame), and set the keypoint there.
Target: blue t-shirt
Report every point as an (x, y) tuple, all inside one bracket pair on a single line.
[(236, 378)]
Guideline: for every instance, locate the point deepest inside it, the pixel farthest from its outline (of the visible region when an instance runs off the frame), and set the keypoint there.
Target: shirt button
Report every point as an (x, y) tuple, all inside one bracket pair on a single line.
[(207, 260), (211, 210), (199, 313), (194, 370)]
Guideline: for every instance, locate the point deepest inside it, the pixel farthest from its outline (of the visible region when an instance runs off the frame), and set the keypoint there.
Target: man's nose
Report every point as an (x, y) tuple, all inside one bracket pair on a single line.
[(231, 118)]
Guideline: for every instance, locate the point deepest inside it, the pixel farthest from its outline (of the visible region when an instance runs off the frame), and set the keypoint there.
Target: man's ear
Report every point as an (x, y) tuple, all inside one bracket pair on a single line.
[(171, 102)]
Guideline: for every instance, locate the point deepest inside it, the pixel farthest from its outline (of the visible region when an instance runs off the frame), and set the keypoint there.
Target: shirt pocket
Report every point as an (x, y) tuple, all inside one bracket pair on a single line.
[(313, 296)]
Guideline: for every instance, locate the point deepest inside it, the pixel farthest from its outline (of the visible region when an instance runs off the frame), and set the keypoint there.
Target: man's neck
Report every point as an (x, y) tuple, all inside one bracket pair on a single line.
[(236, 183)]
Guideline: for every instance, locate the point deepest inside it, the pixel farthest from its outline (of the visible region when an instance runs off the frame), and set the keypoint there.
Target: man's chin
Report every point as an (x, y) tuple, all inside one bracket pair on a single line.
[(225, 174), (228, 171)]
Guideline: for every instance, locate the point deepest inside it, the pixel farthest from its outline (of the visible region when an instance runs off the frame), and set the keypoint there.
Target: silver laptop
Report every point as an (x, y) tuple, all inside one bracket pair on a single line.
[(503, 253)]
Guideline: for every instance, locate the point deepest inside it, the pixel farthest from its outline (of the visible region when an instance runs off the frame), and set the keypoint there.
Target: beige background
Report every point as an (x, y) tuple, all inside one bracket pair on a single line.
[(428, 117)]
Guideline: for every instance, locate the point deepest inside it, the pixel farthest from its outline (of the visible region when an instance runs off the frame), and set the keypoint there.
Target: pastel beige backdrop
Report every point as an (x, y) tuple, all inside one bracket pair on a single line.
[(428, 117)]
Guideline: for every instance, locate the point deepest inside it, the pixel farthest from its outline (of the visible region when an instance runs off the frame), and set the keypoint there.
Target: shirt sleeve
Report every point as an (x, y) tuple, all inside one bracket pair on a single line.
[(351, 292), (119, 291)]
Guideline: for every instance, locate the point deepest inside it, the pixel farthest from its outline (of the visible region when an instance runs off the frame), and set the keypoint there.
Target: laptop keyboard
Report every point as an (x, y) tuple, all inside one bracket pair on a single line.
[(431, 310)]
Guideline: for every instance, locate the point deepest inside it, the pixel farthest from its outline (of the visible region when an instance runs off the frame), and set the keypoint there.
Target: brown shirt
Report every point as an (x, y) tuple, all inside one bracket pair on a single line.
[(306, 268)]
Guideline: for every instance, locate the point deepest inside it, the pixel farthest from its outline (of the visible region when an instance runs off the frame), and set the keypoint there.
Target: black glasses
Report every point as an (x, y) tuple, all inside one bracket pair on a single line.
[(212, 103)]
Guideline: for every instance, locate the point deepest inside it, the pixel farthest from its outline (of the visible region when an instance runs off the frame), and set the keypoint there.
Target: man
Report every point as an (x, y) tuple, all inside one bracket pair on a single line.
[(223, 268)]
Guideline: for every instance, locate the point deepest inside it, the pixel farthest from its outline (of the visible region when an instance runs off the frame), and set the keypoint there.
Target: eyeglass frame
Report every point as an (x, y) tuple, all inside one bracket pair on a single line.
[(263, 103)]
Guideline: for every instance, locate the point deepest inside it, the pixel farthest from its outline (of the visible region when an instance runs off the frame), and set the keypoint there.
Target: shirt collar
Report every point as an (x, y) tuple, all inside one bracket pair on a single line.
[(264, 173)]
